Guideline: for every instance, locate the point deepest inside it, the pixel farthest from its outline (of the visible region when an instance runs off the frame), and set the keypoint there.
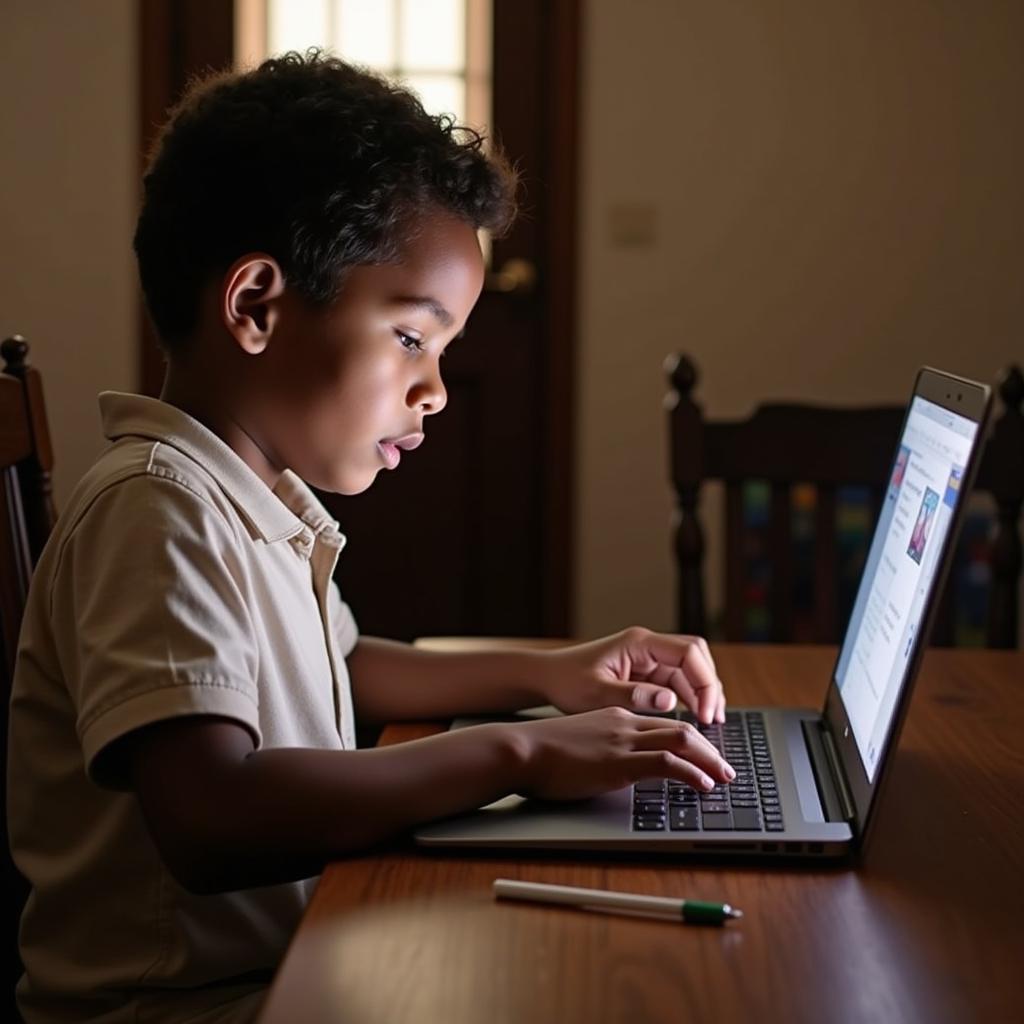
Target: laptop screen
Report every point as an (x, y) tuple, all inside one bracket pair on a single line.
[(900, 571)]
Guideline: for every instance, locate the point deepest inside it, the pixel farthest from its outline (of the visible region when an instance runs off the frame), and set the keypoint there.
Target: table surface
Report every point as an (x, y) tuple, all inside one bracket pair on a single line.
[(925, 926)]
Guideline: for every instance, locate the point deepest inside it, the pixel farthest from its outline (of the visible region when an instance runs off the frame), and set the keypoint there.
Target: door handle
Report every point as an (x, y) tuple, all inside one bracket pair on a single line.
[(517, 276)]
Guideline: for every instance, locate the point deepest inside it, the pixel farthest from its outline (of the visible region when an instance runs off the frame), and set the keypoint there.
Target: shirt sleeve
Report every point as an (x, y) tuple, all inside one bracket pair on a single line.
[(157, 601)]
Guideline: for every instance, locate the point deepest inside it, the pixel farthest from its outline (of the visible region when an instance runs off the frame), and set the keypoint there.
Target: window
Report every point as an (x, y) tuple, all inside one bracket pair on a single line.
[(439, 48)]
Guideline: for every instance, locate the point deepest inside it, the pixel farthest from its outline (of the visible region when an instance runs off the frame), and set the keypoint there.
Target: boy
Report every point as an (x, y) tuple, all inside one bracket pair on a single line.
[(182, 755)]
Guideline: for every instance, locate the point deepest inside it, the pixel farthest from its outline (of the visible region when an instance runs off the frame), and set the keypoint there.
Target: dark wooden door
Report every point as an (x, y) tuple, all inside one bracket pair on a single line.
[(472, 534)]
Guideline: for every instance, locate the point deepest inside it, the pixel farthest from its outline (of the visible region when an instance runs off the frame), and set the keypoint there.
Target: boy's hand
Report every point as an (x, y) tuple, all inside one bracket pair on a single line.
[(583, 755), (639, 670)]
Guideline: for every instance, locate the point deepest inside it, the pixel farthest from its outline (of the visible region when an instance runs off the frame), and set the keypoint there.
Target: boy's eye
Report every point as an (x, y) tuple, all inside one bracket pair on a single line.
[(408, 341)]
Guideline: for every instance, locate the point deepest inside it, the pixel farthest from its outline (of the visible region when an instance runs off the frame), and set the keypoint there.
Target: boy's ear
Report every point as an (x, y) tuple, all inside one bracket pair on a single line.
[(250, 292)]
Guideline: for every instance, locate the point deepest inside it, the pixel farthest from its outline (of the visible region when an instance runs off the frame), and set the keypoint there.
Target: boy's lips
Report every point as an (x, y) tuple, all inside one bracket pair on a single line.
[(391, 449), (406, 442)]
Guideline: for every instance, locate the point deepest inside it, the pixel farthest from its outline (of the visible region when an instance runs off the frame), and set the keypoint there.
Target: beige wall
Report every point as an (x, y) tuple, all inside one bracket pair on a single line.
[(67, 203), (834, 190)]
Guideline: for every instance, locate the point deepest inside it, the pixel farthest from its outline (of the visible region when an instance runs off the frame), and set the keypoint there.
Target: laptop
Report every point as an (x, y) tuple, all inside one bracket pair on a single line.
[(808, 781)]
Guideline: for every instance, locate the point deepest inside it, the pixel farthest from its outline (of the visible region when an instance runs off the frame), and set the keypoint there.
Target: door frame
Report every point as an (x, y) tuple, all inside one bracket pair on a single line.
[(180, 38)]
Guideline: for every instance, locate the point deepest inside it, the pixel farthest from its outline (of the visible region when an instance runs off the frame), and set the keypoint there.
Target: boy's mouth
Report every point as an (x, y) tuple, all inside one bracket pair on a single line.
[(391, 449)]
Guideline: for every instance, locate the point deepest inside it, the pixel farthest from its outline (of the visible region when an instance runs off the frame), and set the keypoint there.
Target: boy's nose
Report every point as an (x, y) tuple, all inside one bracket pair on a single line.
[(430, 395)]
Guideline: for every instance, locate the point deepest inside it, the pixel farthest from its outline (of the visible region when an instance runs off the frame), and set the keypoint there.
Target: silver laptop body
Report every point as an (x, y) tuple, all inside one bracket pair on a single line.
[(829, 764)]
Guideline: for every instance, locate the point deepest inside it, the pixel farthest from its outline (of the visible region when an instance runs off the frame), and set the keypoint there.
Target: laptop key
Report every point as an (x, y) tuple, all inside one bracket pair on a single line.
[(642, 825), (717, 821), (684, 819), (746, 819), (650, 786), (652, 820), (649, 807)]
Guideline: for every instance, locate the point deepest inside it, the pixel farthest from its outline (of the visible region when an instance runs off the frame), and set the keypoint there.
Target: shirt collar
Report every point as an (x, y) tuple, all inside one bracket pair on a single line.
[(274, 514)]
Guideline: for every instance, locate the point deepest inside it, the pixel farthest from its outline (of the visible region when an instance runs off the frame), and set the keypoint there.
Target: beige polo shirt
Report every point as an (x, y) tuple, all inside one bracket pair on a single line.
[(175, 583)]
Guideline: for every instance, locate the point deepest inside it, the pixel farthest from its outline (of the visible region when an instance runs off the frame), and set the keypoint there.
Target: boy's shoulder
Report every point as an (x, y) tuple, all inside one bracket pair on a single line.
[(161, 463), (146, 466), (143, 504)]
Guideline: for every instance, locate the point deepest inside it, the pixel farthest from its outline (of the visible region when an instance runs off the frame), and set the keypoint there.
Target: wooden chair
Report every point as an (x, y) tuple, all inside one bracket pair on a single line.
[(829, 448), (26, 460)]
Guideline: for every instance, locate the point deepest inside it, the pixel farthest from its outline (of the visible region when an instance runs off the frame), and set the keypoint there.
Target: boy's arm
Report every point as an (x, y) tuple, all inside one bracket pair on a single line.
[(225, 816), (393, 681), (636, 669)]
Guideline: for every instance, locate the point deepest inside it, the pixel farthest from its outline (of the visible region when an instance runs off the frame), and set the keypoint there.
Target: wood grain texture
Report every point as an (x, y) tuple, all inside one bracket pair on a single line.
[(925, 927)]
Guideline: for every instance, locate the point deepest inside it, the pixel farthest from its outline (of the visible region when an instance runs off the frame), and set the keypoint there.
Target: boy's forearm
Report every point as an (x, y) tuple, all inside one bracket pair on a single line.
[(393, 681), (291, 810)]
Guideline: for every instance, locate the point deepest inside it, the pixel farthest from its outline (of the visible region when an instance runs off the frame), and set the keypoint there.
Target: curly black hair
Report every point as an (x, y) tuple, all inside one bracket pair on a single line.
[(317, 163)]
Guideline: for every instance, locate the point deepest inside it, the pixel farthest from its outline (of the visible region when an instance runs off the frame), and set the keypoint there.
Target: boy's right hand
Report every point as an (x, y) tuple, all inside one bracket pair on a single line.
[(580, 756)]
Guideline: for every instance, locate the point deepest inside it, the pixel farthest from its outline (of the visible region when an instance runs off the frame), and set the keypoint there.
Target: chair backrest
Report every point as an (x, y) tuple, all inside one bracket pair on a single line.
[(784, 445), (26, 519), (26, 462)]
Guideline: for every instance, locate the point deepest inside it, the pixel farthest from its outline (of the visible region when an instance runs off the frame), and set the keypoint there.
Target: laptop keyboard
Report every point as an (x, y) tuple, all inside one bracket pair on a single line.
[(749, 803)]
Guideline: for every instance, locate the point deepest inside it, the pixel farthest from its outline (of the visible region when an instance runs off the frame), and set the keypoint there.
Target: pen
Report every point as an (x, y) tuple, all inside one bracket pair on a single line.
[(688, 911)]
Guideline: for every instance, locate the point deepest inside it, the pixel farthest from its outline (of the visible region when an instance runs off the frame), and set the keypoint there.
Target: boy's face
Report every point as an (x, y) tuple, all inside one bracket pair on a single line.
[(343, 392)]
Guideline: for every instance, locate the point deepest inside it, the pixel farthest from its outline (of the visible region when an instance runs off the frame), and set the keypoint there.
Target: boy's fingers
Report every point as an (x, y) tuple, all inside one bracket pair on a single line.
[(651, 697), (683, 740), (664, 764), (703, 644), (640, 697), (694, 669), (698, 664), (672, 678)]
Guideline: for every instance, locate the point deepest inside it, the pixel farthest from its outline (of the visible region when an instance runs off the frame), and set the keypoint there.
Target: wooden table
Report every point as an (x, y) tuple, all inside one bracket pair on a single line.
[(928, 926)]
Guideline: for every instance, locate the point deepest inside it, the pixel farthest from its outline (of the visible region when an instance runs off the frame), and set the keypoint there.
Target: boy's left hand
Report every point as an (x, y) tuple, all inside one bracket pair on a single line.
[(639, 670)]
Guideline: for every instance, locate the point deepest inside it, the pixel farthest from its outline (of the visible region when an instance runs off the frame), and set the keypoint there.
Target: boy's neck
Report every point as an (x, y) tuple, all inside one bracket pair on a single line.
[(185, 391)]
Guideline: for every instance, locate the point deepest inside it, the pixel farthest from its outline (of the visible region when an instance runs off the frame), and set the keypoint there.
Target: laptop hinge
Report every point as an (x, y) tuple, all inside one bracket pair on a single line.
[(832, 789), (837, 774)]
